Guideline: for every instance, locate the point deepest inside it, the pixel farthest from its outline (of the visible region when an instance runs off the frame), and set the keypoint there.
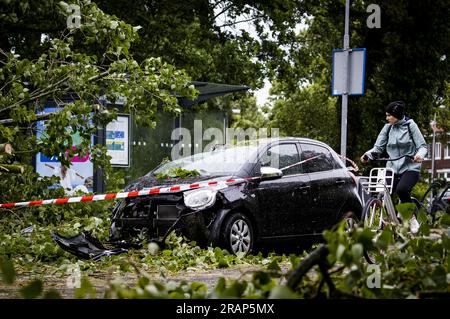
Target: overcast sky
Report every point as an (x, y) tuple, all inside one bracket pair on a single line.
[(262, 95)]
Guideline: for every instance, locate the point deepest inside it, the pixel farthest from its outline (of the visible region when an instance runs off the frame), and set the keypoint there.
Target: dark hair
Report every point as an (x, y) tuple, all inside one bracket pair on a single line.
[(396, 109)]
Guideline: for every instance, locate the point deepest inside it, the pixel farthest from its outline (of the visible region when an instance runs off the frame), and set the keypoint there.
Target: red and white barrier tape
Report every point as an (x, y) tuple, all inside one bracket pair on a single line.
[(143, 192)]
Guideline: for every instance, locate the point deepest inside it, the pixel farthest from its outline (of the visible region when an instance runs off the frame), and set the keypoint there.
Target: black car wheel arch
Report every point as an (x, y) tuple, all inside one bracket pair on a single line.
[(354, 206), (351, 221), (238, 235)]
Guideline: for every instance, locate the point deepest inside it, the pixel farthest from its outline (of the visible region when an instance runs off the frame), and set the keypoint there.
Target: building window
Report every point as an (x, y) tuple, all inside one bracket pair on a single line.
[(437, 149), (447, 151), (443, 174)]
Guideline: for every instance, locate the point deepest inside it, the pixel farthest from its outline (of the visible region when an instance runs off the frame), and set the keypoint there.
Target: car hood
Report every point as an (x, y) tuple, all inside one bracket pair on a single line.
[(150, 181)]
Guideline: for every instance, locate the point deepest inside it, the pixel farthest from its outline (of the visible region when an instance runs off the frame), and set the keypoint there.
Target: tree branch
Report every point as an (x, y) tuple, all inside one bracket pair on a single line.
[(7, 168), (217, 3), (315, 258), (39, 117), (226, 8), (236, 22), (40, 93)]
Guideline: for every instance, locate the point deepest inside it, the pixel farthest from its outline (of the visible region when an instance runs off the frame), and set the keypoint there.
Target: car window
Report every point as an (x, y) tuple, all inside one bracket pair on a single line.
[(281, 156), (317, 158), (224, 161)]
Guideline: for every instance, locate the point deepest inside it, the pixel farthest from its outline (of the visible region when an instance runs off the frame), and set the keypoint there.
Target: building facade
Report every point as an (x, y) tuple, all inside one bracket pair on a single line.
[(441, 158)]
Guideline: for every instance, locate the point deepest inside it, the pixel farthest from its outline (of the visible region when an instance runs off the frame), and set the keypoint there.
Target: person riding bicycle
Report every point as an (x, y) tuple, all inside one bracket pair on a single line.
[(400, 136)]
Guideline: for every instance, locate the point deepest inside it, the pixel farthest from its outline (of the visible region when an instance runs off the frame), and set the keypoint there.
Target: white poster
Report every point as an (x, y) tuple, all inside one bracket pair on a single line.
[(117, 140), (80, 175)]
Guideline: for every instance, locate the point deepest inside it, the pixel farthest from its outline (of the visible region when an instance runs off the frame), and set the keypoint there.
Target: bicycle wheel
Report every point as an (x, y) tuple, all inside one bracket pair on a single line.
[(373, 215), (374, 220)]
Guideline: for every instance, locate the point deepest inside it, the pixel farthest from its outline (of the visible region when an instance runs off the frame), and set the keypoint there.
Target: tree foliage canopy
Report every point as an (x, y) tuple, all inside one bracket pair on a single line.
[(71, 68), (407, 59)]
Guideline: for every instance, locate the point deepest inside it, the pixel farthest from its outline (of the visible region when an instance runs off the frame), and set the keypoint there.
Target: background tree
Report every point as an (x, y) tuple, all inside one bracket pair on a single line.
[(81, 62), (209, 40), (308, 112), (407, 58)]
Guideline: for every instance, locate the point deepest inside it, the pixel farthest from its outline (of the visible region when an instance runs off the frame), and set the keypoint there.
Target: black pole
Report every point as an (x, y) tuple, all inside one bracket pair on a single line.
[(99, 138)]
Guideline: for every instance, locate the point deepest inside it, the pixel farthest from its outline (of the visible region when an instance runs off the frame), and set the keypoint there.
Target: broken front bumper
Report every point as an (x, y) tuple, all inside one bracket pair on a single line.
[(86, 246)]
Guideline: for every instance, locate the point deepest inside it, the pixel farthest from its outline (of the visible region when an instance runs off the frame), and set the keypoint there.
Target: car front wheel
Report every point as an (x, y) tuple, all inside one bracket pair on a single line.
[(238, 234)]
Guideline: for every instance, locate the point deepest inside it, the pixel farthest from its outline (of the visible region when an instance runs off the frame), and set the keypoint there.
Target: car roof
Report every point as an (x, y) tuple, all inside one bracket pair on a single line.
[(270, 140)]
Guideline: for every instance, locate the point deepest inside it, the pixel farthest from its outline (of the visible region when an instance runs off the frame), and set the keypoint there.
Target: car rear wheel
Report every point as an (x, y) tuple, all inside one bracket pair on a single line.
[(238, 236)]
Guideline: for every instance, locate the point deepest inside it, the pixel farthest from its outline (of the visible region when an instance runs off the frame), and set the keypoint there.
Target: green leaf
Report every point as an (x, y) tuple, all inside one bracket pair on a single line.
[(439, 276), (446, 241), (386, 238), (273, 265), (199, 287), (52, 294), (424, 229), (220, 286), (167, 252), (445, 220), (357, 252), (222, 263), (283, 292), (352, 278), (236, 290), (32, 290), (86, 288), (365, 237), (176, 295), (7, 270), (261, 278), (143, 281), (340, 251), (295, 260), (428, 282), (406, 210), (422, 217), (218, 253)]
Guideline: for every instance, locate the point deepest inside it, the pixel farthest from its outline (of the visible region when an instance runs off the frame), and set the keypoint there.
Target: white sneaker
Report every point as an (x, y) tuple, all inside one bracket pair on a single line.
[(414, 225)]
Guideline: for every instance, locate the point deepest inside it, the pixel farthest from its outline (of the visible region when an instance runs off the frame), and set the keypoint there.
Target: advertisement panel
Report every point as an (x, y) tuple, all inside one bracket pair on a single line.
[(117, 140), (80, 174)]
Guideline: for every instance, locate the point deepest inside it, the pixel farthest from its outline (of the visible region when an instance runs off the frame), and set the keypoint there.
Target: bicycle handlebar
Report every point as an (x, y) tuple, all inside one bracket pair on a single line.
[(375, 158)]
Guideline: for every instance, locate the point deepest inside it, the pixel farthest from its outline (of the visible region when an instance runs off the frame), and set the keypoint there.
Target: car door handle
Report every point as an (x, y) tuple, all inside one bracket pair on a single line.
[(304, 188), (340, 182)]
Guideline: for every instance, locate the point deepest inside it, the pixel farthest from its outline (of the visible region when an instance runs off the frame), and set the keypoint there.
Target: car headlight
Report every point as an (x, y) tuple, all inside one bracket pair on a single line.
[(200, 199)]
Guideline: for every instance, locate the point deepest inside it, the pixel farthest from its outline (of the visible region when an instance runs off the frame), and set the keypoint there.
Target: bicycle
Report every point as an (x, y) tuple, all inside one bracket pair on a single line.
[(375, 193), (438, 202)]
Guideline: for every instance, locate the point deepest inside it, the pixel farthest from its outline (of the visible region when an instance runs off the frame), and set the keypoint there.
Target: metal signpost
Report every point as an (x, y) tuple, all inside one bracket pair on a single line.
[(345, 93), (348, 75)]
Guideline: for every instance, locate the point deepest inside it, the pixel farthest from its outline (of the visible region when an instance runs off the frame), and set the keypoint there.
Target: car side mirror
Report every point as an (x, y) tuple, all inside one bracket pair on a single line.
[(269, 173)]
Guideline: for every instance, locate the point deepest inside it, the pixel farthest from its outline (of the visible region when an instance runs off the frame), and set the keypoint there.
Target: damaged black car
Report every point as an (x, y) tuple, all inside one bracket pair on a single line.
[(286, 190)]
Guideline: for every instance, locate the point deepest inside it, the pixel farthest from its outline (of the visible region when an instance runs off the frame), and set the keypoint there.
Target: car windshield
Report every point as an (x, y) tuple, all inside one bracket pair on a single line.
[(224, 161)]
